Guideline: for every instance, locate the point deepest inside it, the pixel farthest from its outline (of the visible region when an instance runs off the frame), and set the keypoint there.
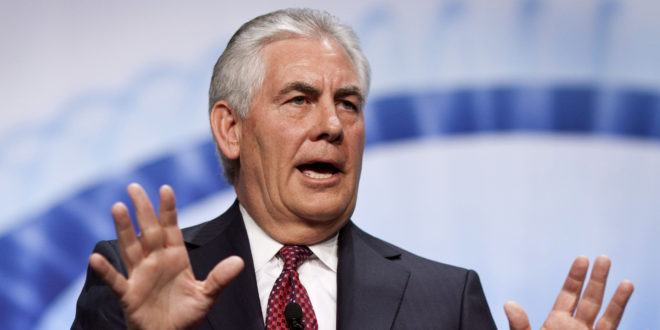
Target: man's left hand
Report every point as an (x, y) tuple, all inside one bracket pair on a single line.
[(571, 312)]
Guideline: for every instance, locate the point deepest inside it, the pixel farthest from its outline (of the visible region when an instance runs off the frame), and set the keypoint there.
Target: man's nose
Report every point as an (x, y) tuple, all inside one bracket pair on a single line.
[(328, 127)]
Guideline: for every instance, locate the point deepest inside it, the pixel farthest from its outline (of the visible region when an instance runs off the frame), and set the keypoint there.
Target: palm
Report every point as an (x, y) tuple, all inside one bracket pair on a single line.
[(161, 291), (563, 320), (173, 293)]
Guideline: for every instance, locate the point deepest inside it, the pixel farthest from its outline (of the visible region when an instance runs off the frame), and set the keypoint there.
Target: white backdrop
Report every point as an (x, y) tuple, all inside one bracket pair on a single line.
[(503, 136)]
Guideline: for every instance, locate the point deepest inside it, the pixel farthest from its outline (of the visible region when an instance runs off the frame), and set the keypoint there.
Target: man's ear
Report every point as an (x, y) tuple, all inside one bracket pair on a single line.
[(226, 128)]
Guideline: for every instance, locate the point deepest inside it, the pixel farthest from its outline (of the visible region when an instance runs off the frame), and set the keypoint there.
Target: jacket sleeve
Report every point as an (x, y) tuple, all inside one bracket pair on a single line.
[(475, 313), (97, 306)]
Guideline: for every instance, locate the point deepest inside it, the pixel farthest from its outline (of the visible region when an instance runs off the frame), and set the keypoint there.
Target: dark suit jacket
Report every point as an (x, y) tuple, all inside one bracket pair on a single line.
[(379, 286)]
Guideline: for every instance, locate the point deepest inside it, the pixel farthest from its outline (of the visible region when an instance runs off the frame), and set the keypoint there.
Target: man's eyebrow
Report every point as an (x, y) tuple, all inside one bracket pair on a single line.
[(350, 91), (299, 86)]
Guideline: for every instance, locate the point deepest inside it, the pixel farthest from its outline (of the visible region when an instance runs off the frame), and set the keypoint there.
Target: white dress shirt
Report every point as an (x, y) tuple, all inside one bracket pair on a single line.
[(318, 274)]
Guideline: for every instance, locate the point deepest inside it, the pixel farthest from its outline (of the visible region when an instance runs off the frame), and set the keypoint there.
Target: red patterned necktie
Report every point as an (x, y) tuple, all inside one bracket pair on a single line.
[(288, 289)]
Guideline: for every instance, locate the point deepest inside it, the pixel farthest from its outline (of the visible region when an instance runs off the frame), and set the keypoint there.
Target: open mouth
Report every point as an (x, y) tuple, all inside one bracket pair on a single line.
[(318, 170)]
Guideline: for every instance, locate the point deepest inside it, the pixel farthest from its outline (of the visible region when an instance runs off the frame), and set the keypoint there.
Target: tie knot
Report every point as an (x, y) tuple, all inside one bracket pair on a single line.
[(294, 256)]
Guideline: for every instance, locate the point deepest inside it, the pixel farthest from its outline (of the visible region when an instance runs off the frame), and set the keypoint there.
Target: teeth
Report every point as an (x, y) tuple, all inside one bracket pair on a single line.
[(316, 175)]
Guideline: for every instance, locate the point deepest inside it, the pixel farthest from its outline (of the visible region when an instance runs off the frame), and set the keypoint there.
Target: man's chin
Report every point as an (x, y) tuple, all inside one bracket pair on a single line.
[(325, 214), (314, 224)]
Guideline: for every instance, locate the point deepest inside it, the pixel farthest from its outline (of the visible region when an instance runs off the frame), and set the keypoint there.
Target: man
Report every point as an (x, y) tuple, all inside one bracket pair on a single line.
[(286, 104)]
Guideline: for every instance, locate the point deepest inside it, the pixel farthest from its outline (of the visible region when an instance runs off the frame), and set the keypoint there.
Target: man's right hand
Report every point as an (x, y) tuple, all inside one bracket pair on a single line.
[(161, 291)]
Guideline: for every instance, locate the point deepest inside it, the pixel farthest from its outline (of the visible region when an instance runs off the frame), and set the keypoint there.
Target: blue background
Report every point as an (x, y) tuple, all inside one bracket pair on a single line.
[(508, 137)]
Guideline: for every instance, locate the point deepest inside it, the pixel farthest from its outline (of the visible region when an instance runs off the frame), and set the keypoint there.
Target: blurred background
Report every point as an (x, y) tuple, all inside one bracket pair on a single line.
[(504, 136)]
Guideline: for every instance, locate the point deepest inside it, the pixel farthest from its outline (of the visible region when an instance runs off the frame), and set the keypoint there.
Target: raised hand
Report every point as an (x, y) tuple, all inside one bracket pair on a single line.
[(161, 291), (571, 312)]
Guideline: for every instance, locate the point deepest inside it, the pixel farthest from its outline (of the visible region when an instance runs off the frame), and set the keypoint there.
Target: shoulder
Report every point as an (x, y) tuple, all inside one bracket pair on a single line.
[(416, 264), (427, 278), (209, 230), (97, 307), (435, 292)]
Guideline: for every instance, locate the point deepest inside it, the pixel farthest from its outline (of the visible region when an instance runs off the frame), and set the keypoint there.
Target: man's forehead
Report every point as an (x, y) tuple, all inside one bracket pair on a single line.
[(308, 60), (325, 42), (299, 51)]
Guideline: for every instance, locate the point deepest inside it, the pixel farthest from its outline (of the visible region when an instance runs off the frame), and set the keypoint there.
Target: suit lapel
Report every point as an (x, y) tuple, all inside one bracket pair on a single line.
[(370, 286), (238, 306)]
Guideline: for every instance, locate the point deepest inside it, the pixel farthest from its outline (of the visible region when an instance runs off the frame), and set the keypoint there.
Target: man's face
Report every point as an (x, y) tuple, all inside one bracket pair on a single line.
[(301, 143)]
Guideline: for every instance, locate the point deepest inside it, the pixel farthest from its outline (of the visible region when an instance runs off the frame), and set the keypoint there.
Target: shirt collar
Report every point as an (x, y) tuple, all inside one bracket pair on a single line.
[(264, 248)]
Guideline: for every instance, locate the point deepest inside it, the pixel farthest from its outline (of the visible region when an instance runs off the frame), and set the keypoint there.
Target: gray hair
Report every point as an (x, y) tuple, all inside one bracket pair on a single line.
[(239, 72)]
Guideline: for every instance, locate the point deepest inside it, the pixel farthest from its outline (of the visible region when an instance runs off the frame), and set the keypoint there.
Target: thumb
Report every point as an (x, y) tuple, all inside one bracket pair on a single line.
[(222, 274), (517, 317), (110, 276)]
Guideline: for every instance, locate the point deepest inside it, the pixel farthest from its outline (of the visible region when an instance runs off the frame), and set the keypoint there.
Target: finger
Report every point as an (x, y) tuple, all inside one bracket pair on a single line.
[(113, 279), (570, 292), (221, 275), (129, 246), (167, 207), (151, 234), (614, 311), (168, 217), (592, 299), (517, 316)]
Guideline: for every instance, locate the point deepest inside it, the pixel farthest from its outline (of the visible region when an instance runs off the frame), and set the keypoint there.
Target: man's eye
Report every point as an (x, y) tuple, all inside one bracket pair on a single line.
[(298, 100), (348, 105)]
